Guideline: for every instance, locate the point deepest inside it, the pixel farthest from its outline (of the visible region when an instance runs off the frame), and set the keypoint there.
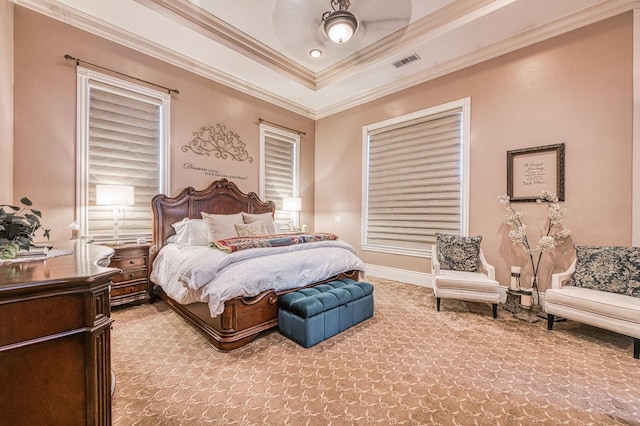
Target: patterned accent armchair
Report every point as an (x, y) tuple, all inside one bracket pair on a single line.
[(478, 286)]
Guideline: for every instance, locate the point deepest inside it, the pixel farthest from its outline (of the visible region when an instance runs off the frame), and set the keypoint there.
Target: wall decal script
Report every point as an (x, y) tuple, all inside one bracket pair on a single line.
[(222, 143), (212, 172)]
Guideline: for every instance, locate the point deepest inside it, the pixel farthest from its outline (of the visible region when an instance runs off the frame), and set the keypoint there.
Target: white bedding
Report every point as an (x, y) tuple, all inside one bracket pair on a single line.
[(190, 274)]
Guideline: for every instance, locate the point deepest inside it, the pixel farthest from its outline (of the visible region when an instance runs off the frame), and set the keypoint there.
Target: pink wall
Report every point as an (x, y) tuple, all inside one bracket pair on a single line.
[(574, 89), (45, 118), (6, 102)]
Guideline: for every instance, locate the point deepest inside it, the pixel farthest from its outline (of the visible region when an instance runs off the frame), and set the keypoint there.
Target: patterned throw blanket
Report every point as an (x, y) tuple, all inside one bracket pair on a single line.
[(234, 244)]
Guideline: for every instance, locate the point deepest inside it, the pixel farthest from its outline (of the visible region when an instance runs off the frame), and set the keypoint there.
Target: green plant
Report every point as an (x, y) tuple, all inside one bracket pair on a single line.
[(18, 226)]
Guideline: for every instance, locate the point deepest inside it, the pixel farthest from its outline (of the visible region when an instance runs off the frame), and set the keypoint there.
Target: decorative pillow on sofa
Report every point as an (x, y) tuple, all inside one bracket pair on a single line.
[(251, 229), (612, 269), (458, 253)]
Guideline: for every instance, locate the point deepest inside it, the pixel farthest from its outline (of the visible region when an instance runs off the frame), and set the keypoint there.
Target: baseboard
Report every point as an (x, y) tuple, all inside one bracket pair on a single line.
[(418, 278), (410, 277)]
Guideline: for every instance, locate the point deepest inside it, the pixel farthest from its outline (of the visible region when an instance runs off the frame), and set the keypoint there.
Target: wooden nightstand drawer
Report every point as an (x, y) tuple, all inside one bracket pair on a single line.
[(123, 262), (128, 289), (130, 274)]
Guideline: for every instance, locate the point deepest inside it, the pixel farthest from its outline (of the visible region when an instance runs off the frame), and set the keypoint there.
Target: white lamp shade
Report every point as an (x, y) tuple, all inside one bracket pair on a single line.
[(292, 204), (114, 195)]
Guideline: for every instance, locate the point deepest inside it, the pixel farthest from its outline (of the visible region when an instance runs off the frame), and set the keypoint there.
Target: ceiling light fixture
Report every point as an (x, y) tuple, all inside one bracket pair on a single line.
[(315, 53), (340, 25)]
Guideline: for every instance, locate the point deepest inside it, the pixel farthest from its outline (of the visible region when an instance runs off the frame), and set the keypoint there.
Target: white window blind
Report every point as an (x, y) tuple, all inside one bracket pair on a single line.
[(123, 143), (280, 174), (415, 182)]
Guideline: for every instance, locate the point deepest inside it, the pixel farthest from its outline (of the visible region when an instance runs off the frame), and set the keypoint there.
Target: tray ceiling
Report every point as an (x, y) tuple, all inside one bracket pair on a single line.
[(261, 47)]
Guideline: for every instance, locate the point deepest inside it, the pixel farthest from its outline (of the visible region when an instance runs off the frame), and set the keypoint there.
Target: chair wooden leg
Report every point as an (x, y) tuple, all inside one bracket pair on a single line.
[(495, 310), (438, 304), (550, 319), (636, 348)]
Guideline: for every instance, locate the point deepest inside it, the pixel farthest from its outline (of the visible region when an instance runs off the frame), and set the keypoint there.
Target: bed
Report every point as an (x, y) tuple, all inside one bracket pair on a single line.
[(242, 318)]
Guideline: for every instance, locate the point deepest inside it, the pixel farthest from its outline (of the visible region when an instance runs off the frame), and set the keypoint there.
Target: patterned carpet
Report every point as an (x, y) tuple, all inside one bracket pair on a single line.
[(408, 365)]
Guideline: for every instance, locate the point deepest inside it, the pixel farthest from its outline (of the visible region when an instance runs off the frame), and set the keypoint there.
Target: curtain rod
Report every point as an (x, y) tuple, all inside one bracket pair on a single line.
[(78, 61), (282, 127)]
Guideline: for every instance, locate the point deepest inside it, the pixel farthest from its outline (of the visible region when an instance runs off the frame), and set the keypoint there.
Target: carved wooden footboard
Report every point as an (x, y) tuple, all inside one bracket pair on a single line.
[(243, 318), (241, 321)]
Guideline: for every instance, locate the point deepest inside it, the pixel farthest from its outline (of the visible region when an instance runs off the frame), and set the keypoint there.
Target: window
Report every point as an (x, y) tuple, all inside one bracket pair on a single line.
[(416, 179), (279, 159), (123, 133)]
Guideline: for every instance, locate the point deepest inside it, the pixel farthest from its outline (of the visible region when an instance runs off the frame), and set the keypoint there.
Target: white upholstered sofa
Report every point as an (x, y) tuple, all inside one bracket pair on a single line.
[(608, 303)]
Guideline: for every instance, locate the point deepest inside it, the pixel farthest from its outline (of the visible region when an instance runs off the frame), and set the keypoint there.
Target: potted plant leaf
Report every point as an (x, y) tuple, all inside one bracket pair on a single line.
[(18, 226)]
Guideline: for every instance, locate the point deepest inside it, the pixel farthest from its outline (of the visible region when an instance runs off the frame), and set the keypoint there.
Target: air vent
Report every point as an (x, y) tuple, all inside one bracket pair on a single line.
[(406, 60)]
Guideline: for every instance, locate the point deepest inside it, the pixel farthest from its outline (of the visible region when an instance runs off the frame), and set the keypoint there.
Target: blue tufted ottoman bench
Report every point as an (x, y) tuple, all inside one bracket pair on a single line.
[(311, 315)]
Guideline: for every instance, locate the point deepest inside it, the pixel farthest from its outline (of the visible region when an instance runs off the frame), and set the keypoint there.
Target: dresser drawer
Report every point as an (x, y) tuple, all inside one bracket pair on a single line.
[(130, 274)]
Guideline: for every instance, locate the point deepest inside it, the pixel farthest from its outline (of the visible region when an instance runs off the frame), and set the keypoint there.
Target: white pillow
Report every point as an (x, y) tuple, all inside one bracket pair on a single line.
[(190, 232), (267, 218), (251, 229), (221, 226)]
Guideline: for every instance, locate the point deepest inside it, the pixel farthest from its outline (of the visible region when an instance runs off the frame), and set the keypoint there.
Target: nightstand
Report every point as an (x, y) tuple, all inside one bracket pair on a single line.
[(132, 284)]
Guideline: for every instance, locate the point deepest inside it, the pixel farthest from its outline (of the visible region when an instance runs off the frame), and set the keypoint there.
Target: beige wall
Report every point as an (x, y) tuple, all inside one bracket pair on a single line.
[(574, 89), (45, 118), (6, 102)]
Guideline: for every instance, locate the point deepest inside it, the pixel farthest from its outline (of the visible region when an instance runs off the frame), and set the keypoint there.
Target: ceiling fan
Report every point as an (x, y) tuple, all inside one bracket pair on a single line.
[(299, 25), (340, 25)]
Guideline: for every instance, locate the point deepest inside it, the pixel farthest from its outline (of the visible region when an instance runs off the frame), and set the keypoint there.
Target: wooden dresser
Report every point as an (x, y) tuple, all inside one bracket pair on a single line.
[(55, 328)]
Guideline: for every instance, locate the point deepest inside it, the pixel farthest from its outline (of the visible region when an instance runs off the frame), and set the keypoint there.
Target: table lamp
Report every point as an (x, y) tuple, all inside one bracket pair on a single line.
[(293, 205), (117, 196)]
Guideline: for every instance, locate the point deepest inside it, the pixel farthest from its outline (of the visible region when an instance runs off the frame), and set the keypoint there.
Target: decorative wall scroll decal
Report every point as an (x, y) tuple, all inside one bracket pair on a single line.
[(222, 143)]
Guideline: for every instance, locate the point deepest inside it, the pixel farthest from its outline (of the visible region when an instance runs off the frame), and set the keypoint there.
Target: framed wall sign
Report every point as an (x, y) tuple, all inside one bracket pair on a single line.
[(533, 170)]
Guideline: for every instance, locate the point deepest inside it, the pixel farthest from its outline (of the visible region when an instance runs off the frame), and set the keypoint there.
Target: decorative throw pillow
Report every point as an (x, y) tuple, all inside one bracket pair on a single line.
[(221, 226), (251, 229), (612, 269), (190, 232), (458, 253), (266, 218)]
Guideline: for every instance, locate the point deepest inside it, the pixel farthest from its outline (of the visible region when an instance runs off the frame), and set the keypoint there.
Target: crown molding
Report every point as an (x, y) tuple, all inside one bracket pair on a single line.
[(71, 16), (218, 30), (107, 31), (452, 16), (552, 29)]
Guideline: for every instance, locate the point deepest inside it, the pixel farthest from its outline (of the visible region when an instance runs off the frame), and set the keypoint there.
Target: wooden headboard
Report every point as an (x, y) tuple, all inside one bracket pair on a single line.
[(221, 197)]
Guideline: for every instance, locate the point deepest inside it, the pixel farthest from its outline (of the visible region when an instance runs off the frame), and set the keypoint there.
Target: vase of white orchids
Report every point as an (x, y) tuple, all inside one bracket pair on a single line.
[(550, 237)]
